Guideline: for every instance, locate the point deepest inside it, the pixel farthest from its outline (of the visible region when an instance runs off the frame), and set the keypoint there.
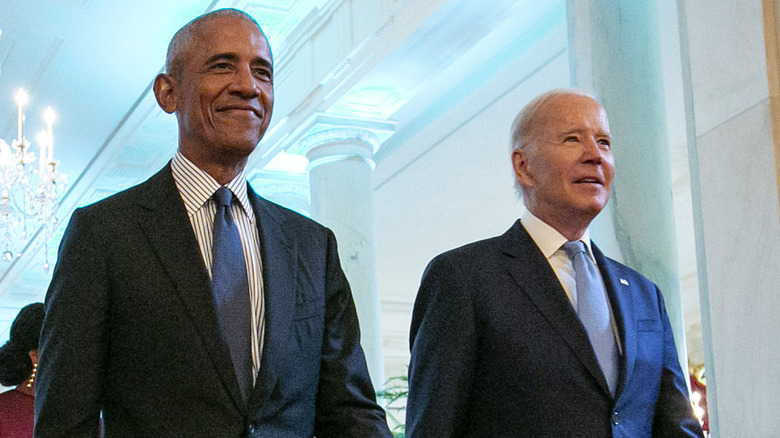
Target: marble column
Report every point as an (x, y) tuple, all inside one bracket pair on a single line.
[(615, 54), (340, 166), (731, 63)]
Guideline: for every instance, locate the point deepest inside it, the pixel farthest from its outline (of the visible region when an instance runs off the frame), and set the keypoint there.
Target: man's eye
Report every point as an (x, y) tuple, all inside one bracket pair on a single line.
[(570, 138), (221, 66), (262, 73), (605, 143)]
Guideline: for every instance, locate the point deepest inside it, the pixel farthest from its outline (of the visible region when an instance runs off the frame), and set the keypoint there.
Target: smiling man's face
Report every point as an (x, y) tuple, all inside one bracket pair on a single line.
[(224, 92), (566, 171)]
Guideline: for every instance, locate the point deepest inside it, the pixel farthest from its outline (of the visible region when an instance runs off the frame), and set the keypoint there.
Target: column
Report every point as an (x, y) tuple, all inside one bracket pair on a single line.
[(615, 54), (340, 166), (731, 58)]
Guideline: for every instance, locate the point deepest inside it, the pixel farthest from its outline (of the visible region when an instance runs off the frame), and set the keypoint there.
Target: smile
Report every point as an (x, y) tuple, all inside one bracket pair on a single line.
[(240, 110)]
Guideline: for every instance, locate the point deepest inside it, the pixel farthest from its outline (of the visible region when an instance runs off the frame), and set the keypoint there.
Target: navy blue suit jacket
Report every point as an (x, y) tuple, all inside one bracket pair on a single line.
[(498, 351), (131, 330)]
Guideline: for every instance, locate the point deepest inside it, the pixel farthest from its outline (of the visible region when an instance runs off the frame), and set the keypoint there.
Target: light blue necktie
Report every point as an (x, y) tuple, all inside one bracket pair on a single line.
[(593, 310), (231, 290)]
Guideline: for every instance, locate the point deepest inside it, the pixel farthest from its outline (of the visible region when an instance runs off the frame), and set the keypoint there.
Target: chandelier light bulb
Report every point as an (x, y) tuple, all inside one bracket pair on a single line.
[(49, 116), (21, 97)]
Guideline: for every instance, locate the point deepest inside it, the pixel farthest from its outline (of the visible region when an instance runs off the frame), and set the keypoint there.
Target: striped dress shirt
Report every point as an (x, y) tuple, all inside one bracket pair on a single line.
[(196, 188)]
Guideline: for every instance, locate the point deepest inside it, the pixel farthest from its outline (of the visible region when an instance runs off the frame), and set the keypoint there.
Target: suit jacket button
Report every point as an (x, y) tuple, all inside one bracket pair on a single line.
[(615, 418)]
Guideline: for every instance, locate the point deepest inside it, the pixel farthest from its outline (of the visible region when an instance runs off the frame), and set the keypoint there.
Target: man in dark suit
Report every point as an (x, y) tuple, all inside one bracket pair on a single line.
[(503, 337), (135, 328)]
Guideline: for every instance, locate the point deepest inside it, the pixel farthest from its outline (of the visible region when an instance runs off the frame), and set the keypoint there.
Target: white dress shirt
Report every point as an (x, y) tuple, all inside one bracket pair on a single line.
[(196, 188), (550, 242)]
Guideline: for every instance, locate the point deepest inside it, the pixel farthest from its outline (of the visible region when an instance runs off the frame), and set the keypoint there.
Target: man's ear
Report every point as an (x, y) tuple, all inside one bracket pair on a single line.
[(520, 166), (165, 92)]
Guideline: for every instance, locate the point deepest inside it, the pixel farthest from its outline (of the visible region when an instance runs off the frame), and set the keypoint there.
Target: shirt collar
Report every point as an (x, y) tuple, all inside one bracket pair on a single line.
[(547, 238), (196, 186)]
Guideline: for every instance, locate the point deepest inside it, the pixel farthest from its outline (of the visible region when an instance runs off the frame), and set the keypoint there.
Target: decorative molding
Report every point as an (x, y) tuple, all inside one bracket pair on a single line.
[(338, 144), (337, 72), (289, 141)]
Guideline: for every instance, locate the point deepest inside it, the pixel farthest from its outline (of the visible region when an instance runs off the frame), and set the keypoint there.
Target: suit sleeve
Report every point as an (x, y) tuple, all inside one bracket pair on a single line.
[(73, 338), (673, 413), (346, 402), (443, 342)]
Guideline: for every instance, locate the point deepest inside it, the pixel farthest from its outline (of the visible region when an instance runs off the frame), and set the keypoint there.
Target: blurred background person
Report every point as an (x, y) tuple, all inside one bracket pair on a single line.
[(18, 365)]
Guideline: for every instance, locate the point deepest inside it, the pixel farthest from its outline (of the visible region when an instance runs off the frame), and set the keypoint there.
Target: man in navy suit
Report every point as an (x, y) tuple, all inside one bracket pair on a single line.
[(498, 346), (132, 330)]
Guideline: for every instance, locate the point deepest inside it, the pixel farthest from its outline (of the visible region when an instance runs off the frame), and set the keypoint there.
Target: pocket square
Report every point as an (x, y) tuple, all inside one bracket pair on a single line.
[(624, 281)]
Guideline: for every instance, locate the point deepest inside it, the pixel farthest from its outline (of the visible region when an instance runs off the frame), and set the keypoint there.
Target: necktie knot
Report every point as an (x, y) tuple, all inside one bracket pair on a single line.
[(574, 248), (223, 196)]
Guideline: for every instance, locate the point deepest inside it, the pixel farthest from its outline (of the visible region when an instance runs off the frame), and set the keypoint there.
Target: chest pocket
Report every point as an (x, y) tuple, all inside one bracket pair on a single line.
[(648, 325)]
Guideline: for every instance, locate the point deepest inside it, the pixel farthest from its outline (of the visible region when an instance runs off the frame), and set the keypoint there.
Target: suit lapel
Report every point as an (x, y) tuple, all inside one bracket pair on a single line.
[(163, 219), (279, 260), (536, 278), (619, 293)]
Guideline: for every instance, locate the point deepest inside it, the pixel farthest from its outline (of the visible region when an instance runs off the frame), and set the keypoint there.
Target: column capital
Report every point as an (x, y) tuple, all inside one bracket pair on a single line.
[(339, 144)]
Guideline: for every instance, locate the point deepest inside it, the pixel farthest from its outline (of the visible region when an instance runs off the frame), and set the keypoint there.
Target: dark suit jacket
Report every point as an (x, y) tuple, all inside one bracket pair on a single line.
[(131, 329), (498, 351)]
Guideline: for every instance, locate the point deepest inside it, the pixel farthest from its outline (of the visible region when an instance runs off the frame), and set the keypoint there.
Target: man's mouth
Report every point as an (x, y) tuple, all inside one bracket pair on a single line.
[(248, 109), (589, 180)]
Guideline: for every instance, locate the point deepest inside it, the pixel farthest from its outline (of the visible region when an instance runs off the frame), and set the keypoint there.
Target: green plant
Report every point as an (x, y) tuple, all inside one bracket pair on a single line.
[(394, 393)]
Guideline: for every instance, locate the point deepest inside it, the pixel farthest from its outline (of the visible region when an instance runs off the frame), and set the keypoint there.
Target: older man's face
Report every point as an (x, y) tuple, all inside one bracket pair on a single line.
[(567, 170), (224, 97)]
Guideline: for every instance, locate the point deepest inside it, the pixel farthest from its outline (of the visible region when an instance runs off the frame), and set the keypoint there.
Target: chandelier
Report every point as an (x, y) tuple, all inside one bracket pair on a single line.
[(30, 186)]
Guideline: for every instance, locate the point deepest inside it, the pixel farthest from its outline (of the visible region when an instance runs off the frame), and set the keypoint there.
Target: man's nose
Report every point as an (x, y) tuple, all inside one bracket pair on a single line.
[(592, 150), (244, 83)]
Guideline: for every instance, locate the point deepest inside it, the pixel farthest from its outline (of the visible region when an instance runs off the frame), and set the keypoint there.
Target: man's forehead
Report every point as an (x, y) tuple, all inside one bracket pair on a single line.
[(230, 38), (571, 104), (582, 112), (215, 27), (221, 25)]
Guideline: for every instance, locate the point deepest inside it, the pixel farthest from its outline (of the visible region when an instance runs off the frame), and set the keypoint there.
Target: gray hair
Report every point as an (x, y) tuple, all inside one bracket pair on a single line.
[(523, 125), (525, 121), (174, 59)]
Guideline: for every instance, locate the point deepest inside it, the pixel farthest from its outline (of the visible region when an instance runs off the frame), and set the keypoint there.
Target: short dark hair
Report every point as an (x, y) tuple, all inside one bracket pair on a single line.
[(15, 363), (183, 37)]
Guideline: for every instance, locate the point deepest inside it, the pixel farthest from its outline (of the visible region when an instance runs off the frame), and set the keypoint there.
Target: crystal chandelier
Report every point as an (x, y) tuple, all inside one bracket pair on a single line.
[(30, 188)]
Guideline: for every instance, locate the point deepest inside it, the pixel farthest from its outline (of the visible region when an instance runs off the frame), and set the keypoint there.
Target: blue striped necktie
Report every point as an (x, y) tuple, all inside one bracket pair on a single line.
[(231, 290), (593, 311)]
